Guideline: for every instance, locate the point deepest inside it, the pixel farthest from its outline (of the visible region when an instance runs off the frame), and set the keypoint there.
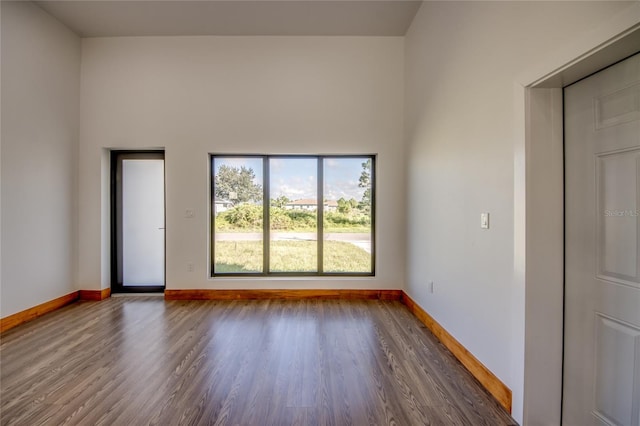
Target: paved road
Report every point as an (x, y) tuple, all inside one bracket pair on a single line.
[(361, 240)]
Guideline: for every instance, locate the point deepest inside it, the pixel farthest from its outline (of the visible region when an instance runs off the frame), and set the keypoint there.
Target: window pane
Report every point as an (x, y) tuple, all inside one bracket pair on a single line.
[(347, 245), (293, 215), (237, 211)]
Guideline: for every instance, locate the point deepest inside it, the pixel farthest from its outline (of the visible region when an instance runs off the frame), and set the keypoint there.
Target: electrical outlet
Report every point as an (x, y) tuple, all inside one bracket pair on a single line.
[(189, 213), (190, 267)]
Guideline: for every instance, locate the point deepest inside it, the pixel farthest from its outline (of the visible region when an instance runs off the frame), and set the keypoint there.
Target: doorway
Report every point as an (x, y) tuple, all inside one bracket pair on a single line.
[(601, 383), (138, 221), (539, 212)]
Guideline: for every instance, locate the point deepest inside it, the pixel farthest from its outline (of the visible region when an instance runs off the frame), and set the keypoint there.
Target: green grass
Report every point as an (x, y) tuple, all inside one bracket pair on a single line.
[(290, 256)]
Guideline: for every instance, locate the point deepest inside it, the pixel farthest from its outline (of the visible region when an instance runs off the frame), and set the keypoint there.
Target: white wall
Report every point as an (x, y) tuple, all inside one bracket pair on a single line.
[(199, 95), (462, 62), (40, 98)]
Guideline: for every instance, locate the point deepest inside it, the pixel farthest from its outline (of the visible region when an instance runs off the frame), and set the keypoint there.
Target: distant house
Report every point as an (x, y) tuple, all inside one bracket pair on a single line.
[(311, 204), (220, 206), (330, 206)]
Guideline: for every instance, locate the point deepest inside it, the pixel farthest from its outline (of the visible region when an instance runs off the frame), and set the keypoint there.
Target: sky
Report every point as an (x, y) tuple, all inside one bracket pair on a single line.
[(296, 178)]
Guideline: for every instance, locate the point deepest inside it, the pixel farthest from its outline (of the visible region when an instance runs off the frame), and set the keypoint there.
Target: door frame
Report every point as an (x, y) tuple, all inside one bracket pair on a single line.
[(539, 210), (117, 287)]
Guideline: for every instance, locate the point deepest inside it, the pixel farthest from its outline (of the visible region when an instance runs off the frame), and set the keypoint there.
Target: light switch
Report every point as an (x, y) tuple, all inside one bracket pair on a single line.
[(484, 220), (189, 213)]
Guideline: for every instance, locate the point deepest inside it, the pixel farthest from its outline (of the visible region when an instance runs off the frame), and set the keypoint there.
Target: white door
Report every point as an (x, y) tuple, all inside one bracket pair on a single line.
[(601, 383), (139, 225), (143, 222)]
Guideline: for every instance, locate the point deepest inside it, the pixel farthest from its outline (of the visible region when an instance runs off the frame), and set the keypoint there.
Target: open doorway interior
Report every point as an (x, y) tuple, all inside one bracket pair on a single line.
[(138, 221)]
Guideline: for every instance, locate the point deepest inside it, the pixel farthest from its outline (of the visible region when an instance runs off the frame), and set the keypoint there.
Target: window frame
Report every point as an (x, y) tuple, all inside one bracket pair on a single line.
[(266, 204)]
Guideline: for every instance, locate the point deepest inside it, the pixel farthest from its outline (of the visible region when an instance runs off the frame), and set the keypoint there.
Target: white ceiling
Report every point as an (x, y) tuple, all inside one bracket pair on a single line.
[(100, 18)]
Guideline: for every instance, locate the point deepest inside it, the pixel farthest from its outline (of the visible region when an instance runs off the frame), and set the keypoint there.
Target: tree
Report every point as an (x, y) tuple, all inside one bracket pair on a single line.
[(344, 206), (365, 182), (280, 202), (237, 185)]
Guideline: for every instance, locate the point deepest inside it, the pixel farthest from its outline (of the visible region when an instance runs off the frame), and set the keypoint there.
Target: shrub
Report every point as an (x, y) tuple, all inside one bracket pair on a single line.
[(280, 220), (242, 216), (340, 219), (249, 217), (302, 218)]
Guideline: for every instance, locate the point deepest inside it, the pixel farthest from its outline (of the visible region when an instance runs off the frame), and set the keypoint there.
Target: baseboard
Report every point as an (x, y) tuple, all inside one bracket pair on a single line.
[(281, 294), (95, 294), (490, 382), (37, 311)]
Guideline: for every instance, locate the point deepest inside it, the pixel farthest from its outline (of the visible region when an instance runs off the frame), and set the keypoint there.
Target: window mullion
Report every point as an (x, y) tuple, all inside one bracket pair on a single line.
[(266, 215), (320, 215)]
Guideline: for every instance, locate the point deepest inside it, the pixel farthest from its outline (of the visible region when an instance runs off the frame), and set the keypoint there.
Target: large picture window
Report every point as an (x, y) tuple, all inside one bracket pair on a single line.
[(292, 215)]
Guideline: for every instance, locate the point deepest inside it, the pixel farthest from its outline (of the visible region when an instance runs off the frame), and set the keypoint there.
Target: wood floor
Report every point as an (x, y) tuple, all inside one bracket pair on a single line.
[(144, 360)]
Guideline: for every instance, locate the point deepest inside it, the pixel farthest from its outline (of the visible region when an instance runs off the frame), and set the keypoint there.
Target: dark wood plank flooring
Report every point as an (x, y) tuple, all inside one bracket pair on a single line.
[(143, 360)]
